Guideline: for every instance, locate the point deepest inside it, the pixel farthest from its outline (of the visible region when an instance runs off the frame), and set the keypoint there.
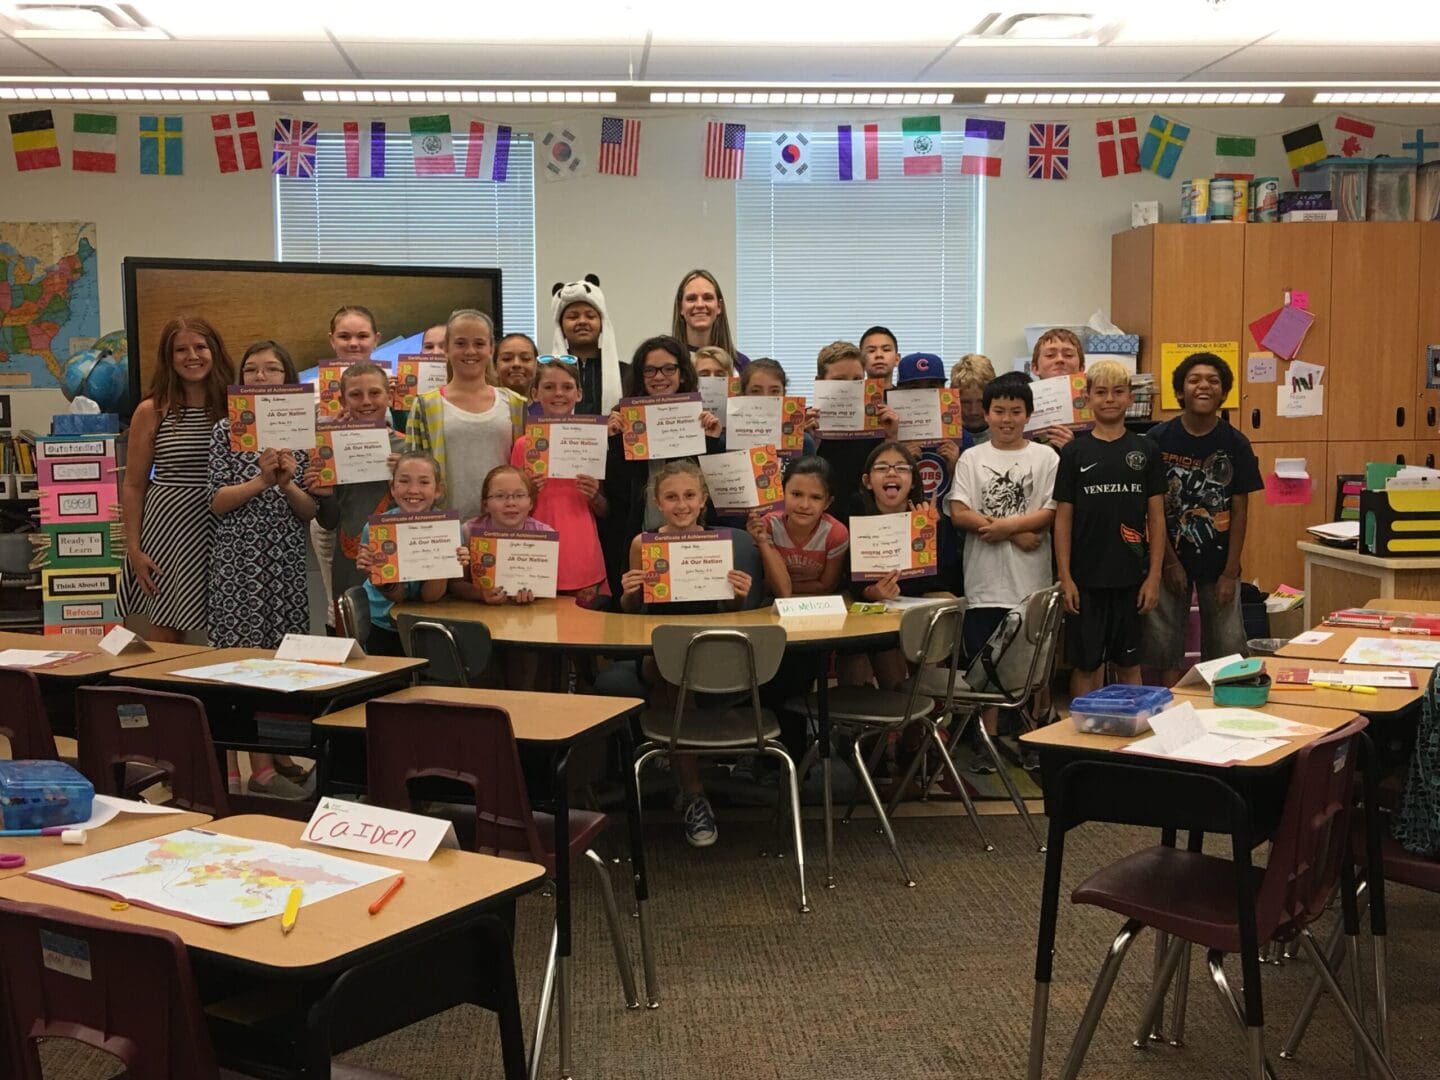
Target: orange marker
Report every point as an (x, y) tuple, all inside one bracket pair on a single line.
[(387, 894)]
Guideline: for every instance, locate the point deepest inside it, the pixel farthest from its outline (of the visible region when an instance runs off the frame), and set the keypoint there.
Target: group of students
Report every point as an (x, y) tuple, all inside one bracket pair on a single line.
[(217, 538)]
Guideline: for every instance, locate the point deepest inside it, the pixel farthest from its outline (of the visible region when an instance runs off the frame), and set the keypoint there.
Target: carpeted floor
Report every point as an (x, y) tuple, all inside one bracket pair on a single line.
[(880, 980)]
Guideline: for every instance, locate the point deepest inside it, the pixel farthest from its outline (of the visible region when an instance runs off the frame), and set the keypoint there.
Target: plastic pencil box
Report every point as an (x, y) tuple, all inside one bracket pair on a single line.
[(1120, 709), (39, 794), (1242, 684)]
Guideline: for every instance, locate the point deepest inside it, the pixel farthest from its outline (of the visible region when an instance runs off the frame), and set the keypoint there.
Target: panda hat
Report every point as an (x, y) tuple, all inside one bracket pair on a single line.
[(588, 292)]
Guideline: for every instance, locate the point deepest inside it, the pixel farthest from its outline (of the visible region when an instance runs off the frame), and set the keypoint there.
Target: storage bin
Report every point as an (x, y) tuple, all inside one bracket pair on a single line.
[(1347, 181), (1391, 195), (1119, 710), (42, 794)]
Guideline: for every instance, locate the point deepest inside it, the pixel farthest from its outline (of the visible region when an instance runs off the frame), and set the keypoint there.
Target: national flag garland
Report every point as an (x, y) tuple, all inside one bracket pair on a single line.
[(364, 149), (1234, 146), (983, 140), (858, 152), (433, 146), (922, 146), (1047, 156), (32, 134), (1355, 136), (561, 154), (237, 143), (790, 157), (1160, 150), (487, 159), (619, 146), (724, 151), (95, 143), (1118, 144), (162, 146), (293, 152), (1302, 147)]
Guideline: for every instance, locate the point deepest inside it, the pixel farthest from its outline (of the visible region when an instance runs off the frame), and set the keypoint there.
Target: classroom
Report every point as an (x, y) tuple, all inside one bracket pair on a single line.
[(638, 543)]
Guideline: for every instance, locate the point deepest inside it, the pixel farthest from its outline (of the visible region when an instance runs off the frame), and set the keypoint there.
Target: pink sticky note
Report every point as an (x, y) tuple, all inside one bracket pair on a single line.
[(1287, 491), (1300, 298), (1288, 332)]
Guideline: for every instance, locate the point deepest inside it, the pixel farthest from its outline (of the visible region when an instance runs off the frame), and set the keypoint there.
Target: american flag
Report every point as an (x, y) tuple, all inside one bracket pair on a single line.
[(619, 146), (294, 148), (724, 151), (1048, 156)]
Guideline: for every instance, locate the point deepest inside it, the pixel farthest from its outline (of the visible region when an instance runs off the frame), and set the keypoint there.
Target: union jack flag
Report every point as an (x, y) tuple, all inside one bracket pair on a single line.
[(294, 148), (1048, 154)]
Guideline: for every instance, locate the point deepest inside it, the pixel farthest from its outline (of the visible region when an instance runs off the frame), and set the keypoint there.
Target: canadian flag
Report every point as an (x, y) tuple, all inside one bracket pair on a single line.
[(1353, 136)]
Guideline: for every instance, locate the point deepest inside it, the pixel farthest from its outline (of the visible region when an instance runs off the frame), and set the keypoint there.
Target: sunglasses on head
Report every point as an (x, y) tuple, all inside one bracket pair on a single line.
[(567, 359)]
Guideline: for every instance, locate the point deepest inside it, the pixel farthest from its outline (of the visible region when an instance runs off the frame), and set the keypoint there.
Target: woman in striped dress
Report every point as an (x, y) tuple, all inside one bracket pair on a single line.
[(169, 528)]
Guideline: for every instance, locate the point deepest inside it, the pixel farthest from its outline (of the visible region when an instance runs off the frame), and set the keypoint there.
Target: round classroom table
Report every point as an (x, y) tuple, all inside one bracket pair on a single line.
[(560, 625)]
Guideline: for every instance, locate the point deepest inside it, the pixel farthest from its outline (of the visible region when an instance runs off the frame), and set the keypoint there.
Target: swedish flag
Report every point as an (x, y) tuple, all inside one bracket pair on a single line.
[(162, 146), (1164, 139)]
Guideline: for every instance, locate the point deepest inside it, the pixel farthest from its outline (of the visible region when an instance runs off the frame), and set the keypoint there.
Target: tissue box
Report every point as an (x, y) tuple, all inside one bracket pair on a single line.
[(85, 424), (1128, 344)]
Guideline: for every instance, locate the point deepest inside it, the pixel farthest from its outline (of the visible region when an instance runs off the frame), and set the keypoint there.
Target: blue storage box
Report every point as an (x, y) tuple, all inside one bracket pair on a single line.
[(42, 794), (1126, 344), (85, 424), (1120, 709)]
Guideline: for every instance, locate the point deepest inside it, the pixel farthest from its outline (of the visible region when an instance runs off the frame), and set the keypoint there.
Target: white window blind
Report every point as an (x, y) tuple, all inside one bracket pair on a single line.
[(822, 260), (401, 219)]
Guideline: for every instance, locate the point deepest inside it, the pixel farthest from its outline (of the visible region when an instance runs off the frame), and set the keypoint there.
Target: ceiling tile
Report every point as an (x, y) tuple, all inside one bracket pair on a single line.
[(787, 63), (196, 59), (482, 62), (1319, 63), (18, 60), (1101, 64)]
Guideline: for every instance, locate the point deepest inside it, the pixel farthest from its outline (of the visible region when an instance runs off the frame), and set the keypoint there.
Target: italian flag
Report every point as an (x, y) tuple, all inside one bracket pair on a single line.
[(434, 147), (94, 146), (922, 145)]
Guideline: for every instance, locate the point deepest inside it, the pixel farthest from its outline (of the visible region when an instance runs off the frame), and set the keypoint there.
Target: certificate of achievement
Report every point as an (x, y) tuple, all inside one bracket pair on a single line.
[(849, 409), (661, 427), (686, 566), (353, 451), (327, 385), (901, 544), (416, 373), (744, 479), (1059, 400), (927, 415), (515, 559), (272, 417), (414, 547), (716, 392), (766, 421), (564, 447)]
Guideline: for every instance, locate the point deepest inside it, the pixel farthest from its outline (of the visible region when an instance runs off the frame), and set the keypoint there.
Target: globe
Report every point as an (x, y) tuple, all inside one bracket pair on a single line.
[(101, 373)]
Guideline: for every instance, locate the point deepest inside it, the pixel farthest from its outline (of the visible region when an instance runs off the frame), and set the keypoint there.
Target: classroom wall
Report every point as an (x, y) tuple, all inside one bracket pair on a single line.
[(1047, 254)]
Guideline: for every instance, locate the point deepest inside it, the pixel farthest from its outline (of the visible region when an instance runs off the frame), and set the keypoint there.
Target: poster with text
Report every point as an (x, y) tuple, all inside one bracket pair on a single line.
[(515, 559), (353, 451), (564, 447), (272, 418), (414, 547), (681, 567), (657, 428)]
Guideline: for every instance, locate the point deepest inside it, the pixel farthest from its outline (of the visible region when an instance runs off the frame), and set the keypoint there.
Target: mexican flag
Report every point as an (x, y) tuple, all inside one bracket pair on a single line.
[(434, 148), (922, 145), (94, 146)]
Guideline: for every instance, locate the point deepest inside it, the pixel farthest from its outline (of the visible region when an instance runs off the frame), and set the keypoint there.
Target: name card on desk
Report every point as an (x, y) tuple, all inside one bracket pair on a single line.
[(120, 640), (359, 827), (315, 649), (790, 607)]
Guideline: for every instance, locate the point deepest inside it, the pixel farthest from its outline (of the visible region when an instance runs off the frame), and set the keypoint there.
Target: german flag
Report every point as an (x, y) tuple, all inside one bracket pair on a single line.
[(33, 135)]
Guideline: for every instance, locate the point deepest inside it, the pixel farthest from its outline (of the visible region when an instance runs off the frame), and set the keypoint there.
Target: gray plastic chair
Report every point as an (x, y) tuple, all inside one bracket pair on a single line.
[(450, 662), (729, 661), (353, 614), (1016, 662)]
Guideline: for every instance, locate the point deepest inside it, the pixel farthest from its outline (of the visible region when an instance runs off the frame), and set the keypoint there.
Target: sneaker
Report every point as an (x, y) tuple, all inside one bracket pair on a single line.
[(292, 771), (277, 787), (981, 765), (699, 822)]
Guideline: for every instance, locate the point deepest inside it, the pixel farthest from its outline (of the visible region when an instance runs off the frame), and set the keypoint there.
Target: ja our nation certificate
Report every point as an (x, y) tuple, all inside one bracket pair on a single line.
[(766, 421), (680, 567), (416, 374), (564, 447), (903, 544), (353, 451), (849, 409), (1060, 400), (741, 480), (515, 559), (656, 428), (272, 417), (929, 415), (414, 547)]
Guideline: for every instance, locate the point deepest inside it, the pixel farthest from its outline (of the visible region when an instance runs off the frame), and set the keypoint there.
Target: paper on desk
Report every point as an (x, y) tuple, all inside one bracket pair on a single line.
[(1336, 530), (105, 808), (1180, 734), (1249, 724), (1203, 674), (1398, 679), (1311, 637)]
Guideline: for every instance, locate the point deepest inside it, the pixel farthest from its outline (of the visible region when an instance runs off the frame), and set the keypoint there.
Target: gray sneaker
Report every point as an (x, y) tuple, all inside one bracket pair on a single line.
[(700, 828), (277, 787)]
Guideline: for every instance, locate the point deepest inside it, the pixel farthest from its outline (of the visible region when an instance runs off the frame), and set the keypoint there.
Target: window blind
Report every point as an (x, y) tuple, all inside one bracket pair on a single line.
[(404, 220), (821, 260)]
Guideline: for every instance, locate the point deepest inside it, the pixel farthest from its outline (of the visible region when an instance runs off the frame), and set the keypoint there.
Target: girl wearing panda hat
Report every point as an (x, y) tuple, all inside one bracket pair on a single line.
[(583, 330)]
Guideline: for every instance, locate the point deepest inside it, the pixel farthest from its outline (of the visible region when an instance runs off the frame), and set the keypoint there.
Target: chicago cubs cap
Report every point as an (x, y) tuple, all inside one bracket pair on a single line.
[(918, 367)]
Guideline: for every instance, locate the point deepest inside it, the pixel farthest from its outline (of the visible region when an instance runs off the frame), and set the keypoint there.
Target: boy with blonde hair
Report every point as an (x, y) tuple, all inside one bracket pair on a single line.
[(1057, 352), (970, 375), (1109, 535)]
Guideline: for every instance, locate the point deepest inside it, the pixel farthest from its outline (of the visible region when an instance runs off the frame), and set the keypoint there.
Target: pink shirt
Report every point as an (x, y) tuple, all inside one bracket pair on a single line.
[(807, 562), (582, 563)]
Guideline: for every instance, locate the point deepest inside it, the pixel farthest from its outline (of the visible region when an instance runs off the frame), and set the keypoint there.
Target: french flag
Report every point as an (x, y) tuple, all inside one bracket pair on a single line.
[(983, 139), (859, 152), (364, 148)]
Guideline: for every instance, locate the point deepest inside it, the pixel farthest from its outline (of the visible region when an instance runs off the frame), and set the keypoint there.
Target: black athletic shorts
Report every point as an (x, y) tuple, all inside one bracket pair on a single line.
[(1107, 630)]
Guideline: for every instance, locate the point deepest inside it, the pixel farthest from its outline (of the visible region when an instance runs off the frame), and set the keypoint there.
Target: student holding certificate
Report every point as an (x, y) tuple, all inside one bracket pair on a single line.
[(509, 497), (842, 361)]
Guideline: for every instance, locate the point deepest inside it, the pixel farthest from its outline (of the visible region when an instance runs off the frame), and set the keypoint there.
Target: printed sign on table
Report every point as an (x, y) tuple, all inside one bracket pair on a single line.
[(680, 567), (744, 479), (353, 451), (849, 409), (272, 418), (564, 447), (416, 374), (516, 559), (1060, 400), (414, 547), (928, 415), (766, 421), (657, 428), (903, 544)]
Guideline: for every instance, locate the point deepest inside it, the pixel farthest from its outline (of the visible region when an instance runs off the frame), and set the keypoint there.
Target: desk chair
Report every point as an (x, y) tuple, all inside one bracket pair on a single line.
[(119, 725), (136, 998), (25, 721), (474, 745), (458, 652), (1227, 906), (352, 614)]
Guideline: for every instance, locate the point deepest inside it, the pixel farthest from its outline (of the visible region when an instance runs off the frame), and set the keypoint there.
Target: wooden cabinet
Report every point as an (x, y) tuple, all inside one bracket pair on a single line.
[(1276, 259), (1270, 556), (1374, 304), (1427, 411), (1177, 283), (1427, 453)]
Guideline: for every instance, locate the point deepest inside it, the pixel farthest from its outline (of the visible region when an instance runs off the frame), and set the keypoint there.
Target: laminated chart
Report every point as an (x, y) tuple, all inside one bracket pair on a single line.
[(81, 540)]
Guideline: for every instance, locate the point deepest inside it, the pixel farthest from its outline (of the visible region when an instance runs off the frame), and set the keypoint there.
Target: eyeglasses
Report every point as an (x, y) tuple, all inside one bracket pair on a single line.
[(884, 468), (664, 369), (566, 359), (508, 496)]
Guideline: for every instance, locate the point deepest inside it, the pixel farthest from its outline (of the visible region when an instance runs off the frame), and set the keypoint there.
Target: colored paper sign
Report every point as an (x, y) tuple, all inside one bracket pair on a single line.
[(74, 470), (416, 374), (741, 480), (849, 409), (1172, 353), (353, 451), (1287, 332), (68, 584), (513, 560), (272, 418), (903, 544), (564, 447), (1294, 403), (1289, 484), (414, 547), (73, 547), (1260, 367), (354, 826), (79, 503), (54, 447), (681, 567), (777, 422), (656, 428)]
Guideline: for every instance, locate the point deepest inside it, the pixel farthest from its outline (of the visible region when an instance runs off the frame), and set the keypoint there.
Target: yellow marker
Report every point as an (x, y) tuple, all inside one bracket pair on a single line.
[(292, 909), (1346, 688)]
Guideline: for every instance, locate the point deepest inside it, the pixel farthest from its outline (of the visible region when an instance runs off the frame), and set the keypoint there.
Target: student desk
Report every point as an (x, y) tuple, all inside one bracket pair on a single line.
[(354, 976), (1384, 704), (1332, 648), (560, 625), (559, 721), (94, 665), (1262, 783), (1414, 607), (1341, 577), (41, 851)]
